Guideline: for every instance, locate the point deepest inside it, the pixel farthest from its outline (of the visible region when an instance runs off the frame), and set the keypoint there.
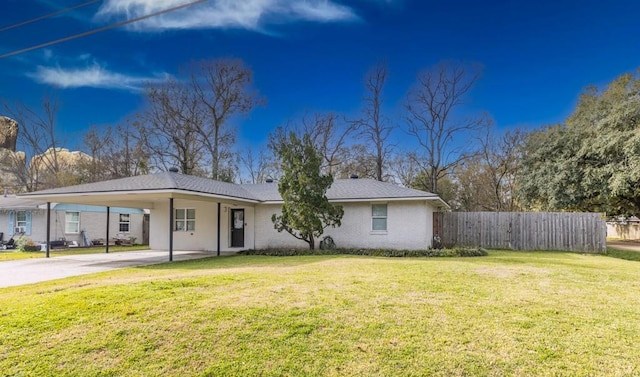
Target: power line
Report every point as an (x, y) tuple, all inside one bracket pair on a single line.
[(98, 30), (61, 11)]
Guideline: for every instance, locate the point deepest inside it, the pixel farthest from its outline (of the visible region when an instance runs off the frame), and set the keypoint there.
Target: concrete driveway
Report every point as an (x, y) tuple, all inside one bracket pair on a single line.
[(27, 271)]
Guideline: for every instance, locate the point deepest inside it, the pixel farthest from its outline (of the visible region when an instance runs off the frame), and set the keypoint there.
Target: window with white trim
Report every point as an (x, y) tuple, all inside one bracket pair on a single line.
[(21, 221), (185, 220), (125, 223), (72, 222), (378, 217)]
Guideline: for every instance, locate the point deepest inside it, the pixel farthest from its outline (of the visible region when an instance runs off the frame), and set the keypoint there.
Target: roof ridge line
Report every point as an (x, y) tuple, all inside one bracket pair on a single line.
[(172, 181)]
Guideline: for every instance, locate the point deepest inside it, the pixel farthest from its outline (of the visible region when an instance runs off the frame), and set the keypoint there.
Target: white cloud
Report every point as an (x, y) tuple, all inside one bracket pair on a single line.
[(92, 76), (245, 14)]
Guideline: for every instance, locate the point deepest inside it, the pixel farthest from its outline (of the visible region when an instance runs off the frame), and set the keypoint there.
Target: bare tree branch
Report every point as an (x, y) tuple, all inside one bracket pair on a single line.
[(432, 119), (373, 126)]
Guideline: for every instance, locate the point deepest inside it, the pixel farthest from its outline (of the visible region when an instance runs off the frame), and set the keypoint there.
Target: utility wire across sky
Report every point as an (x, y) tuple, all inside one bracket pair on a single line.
[(98, 30), (49, 15)]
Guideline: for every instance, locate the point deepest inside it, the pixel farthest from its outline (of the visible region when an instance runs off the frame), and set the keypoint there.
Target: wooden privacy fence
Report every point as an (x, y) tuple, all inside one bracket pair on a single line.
[(583, 232)]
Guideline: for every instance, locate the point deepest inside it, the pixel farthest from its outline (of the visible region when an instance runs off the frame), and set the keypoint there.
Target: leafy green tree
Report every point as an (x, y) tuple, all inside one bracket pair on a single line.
[(592, 161), (306, 211)]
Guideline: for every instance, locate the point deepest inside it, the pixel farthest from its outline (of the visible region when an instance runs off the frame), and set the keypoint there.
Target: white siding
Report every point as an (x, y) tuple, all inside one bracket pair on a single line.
[(409, 226)]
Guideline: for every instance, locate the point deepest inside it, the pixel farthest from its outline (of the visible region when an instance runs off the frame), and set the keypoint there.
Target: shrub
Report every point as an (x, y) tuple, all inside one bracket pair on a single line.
[(454, 252), (24, 243)]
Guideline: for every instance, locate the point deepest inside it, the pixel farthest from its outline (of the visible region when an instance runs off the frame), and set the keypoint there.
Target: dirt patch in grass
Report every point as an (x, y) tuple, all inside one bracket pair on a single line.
[(508, 272)]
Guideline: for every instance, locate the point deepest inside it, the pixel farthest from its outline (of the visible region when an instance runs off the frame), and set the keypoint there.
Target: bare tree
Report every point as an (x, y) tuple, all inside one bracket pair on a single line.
[(223, 88), (169, 128), (190, 123), (96, 142), (374, 127), (406, 169), (501, 157), (358, 161), (36, 165), (115, 153), (433, 121), (128, 157), (256, 167), (486, 181), (329, 134)]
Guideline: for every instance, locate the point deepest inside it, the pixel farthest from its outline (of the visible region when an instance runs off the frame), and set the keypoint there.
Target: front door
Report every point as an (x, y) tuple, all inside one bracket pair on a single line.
[(237, 228)]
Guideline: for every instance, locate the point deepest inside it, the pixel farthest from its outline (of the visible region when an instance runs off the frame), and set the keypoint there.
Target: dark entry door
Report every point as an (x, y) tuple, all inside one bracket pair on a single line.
[(237, 228)]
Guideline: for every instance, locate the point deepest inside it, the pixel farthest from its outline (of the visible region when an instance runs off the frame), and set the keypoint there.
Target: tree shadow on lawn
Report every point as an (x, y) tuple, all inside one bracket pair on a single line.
[(241, 261)]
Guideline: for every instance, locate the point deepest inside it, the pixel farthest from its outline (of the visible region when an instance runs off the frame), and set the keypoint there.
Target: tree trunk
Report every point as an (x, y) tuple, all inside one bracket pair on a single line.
[(434, 181), (379, 163), (312, 243)]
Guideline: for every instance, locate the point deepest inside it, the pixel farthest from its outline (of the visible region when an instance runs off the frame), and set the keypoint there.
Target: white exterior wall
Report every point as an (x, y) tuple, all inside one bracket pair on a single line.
[(623, 231), (409, 226), (94, 223), (266, 236), (204, 238)]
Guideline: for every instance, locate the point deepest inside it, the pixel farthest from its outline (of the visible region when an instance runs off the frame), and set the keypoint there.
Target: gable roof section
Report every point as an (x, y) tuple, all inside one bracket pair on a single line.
[(347, 190)]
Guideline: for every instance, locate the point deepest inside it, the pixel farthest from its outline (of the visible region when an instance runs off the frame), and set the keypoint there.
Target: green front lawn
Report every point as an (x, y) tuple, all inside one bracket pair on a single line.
[(510, 313), (6, 255)]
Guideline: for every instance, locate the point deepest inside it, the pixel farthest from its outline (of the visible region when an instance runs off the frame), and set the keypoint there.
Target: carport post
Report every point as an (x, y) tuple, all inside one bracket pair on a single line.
[(218, 239), (106, 249), (170, 229), (48, 228)]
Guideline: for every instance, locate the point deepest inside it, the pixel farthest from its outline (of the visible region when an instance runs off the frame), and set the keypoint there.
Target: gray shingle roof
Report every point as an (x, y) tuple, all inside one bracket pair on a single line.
[(347, 189), (340, 190), (156, 182)]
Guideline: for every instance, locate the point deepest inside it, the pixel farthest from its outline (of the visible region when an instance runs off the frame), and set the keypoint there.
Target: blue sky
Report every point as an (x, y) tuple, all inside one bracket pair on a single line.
[(311, 55)]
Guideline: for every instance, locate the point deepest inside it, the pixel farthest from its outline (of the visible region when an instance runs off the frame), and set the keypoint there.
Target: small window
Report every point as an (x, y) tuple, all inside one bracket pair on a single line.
[(21, 220), (379, 217), (72, 222), (125, 223), (185, 220)]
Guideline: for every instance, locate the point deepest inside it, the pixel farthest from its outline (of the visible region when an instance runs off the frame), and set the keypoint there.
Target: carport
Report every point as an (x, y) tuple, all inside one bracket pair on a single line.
[(148, 192)]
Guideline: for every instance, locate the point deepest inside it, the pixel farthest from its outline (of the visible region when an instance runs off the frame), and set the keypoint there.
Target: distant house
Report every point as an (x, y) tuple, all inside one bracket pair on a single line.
[(192, 213), (71, 222)]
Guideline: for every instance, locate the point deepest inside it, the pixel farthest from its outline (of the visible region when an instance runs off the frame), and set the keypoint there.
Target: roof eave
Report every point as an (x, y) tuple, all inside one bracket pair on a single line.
[(439, 199), (370, 199), (171, 193)]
